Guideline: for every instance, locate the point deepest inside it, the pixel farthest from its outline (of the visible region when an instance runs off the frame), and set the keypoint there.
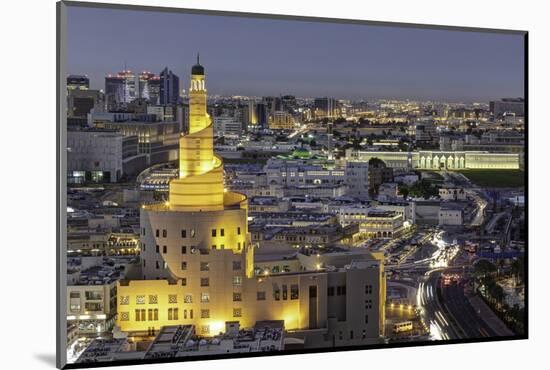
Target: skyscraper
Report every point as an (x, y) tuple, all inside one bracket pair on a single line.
[(78, 82), (169, 87), (121, 88)]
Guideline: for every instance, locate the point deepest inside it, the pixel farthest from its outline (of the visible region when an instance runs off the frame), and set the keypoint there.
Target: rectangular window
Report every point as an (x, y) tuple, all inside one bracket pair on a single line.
[(157, 265), (237, 297), (172, 298), (185, 314), (213, 247), (237, 312), (205, 282), (74, 294), (184, 281), (164, 249), (188, 299), (260, 296), (237, 280), (183, 249), (153, 299), (205, 266), (125, 299), (93, 295), (143, 247), (366, 319), (238, 246), (191, 313), (294, 291), (164, 233), (205, 297), (140, 314), (330, 291), (285, 293), (368, 289), (277, 294), (157, 249), (213, 232), (175, 313), (184, 233), (236, 265), (205, 314), (184, 265), (238, 231), (140, 299), (192, 233), (157, 233), (222, 232)]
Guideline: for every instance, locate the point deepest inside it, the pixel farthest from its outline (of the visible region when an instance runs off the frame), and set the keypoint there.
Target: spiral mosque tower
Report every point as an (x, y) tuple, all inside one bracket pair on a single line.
[(200, 216)]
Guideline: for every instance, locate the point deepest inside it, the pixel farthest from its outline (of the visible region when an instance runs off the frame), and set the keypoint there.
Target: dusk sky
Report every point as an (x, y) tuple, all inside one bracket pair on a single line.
[(252, 56)]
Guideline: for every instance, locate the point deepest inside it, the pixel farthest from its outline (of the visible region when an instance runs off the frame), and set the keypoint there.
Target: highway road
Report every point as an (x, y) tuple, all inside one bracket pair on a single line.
[(457, 304)]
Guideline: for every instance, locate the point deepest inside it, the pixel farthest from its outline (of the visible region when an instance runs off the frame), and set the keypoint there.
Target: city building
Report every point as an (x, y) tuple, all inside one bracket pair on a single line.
[(325, 107), (78, 82), (448, 193), (80, 102), (99, 155), (437, 160), (357, 179), (281, 120), (451, 214), (169, 87), (514, 106)]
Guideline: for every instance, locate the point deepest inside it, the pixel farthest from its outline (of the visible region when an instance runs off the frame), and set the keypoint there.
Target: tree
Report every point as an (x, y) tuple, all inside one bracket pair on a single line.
[(484, 267)]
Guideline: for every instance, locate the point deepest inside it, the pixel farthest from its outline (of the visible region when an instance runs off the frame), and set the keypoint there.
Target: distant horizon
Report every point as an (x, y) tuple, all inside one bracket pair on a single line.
[(265, 57)]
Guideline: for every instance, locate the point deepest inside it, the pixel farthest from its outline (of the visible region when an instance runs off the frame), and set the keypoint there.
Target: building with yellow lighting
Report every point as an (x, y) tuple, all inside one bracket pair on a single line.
[(198, 268)]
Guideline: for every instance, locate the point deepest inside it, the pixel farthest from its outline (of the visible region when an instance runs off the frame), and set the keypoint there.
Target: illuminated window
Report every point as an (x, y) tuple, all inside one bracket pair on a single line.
[(285, 293), (205, 282), (124, 316), (153, 299), (237, 312), (237, 297), (188, 298), (205, 297), (237, 280), (192, 233), (205, 314), (205, 266), (184, 265), (140, 299), (172, 298), (140, 314), (205, 329), (172, 314)]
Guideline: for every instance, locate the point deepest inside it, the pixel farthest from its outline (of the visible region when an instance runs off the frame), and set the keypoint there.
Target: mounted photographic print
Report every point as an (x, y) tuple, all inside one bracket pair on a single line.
[(237, 185)]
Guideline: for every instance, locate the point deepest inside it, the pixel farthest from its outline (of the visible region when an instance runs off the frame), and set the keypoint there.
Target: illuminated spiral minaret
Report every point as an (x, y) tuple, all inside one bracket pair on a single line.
[(200, 183)]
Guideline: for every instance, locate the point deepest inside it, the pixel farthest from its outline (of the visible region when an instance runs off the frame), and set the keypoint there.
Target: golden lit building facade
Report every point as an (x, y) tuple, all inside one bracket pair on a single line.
[(197, 261)]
